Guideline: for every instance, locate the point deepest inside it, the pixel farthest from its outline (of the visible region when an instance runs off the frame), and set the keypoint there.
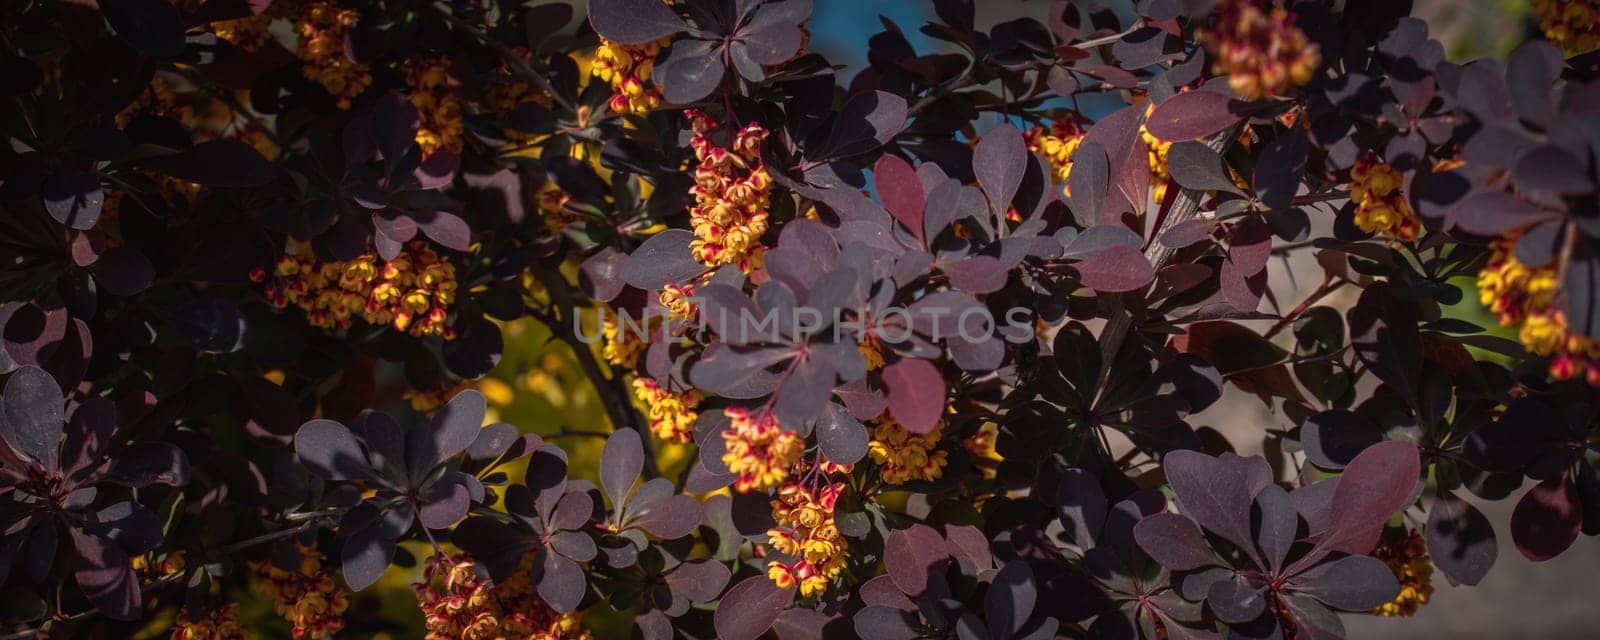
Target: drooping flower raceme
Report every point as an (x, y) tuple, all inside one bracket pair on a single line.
[(1261, 51), (412, 293), (731, 193), (806, 531), (1381, 208), (903, 456), (627, 68), (760, 452), (309, 598), (671, 413), (1523, 297)]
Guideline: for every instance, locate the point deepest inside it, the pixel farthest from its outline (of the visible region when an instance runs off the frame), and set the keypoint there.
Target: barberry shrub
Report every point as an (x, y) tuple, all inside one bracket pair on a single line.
[(914, 352)]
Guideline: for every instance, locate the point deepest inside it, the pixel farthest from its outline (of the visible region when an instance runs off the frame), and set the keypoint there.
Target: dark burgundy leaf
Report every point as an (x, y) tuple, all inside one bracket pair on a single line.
[(1351, 583), (1376, 485), (999, 160), (1216, 493), (103, 572), (842, 438), (1081, 505), (749, 608), (1384, 332), (601, 274), (1191, 115), (1090, 181), (1235, 601), (1196, 166), (1174, 541), (563, 584), (1010, 599), (977, 274), (218, 163), (916, 393), (675, 517), (1530, 71), (1547, 519), (1460, 540), (366, 556), (663, 259), (477, 347), (453, 429), (151, 26), (1280, 168), (633, 21), (1115, 269), (621, 462), (34, 416), (868, 120), (699, 580), (446, 501), (123, 271), (1492, 213), (884, 623), (145, 463), (445, 228), (1279, 525), (909, 556), (691, 71), (1333, 438), (74, 199), (967, 541), (900, 190), (328, 449), (1581, 285), (1100, 237)]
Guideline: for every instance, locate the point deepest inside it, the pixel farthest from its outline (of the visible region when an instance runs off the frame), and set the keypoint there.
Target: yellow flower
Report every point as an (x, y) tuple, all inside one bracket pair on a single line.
[(220, 623), (1573, 24), (410, 292), (759, 451), (1381, 208), (731, 193), (627, 68), (458, 605), (1262, 52), (672, 414), (1057, 144), (307, 597), (438, 108), (1523, 297), (806, 531), (903, 456), (323, 27), (1409, 561)]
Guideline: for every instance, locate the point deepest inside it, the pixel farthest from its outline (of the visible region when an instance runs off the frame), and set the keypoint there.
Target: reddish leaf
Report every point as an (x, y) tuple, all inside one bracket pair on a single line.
[(1116, 269), (900, 190), (999, 160), (916, 393), (1547, 519), (1191, 115), (1376, 485), (749, 608)]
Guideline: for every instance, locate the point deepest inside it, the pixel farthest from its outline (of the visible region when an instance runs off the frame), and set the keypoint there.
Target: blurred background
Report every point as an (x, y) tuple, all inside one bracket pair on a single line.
[(538, 386)]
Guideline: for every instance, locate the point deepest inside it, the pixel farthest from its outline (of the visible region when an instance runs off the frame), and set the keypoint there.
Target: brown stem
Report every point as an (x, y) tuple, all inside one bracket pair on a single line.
[(1327, 287)]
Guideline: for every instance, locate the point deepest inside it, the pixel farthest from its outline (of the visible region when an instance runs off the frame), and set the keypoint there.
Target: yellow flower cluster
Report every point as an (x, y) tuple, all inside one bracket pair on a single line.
[(672, 297), (1262, 52), (307, 597), (672, 414), (458, 605), (220, 623), (410, 293), (205, 116), (871, 349), (621, 343), (323, 27), (1573, 24), (1524, 297), (759, 451), (731, 193), (1057, 144), (249, 33), (903, 456), (553, 205), (428, 400), (806, 531), (1408, 559), (1380, 206), (438, 108), (627, 69)]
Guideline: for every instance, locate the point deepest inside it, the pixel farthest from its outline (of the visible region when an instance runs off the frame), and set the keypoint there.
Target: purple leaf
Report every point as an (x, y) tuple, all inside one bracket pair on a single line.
[(572, 511), (453, 429), (840, 436), (1081, 505), (74, 199), (999, 160), (750, 608), (218, 163), (1351, 583), (884, 623), (1492, 213), (1090, 181), (633, 21), (1460, 540), (89, 432), (699, 580), (562, 584), (909, 556), (967, 541), (1010, 599), (1333, 438), (1191, 115), (691, 71), (652, 624), (366, 556), (146, 463), (1173, 541), (900, 190), (445, 228), (1375, 485), (868, 120), (663, 259), (446, 501), (575, 545), (670, 519), (1196, 166), (601, 274), (1213, 492), (1116, 269), (1547, 519), (1280, 169), (620, 464), (1384, 332), (329, 450), (1279, 525), (916, 393), (33, 415), (103, 572), (123, 271), (1235, 601), (976, 274)]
